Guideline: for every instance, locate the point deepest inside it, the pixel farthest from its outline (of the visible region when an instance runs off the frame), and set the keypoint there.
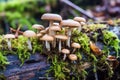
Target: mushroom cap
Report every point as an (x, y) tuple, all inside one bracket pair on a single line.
[(43, 31), (82, 23), (70, 23), (29, 33), (55, 28), (72, 57), (9, 36), (50, 16), (75, 45), (111, 58), (62, 37), (47, 37), (80, 19), (65, 51), (39, 35), (38, 26)]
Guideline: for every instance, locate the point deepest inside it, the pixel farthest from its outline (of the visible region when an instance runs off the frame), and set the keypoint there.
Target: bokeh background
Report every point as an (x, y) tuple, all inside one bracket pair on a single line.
[(28, 12)]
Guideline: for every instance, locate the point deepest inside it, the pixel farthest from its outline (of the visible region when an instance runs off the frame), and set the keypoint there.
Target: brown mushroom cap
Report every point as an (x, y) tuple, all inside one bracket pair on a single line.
[(111, 58), (75, 45), (55, 28), (72, 57), (9, 36), (39, 35), (43, 31), (65, 51), (38, 26), (29, 33), (62, 37), (80, 19), (50, 16), (82, 23), (70, 23), (47, 37)]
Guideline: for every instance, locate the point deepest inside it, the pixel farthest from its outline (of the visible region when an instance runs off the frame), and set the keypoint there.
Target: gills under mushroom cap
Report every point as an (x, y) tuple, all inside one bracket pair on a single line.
[(50, 16)]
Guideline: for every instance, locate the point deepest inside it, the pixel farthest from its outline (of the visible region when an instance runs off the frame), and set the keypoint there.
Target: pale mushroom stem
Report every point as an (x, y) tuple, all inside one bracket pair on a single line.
[(50, 24), (79, 28), (54, 44), (74, 50), (29, 44), (9, 44), (95, 73), (64, 57), (69, 35), (59, 45), (47, 45)]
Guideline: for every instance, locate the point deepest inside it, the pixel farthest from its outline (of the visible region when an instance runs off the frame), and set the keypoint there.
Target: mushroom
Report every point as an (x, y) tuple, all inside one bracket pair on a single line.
[(9, 37), (69, 24), (75, 46), (38, 27), (43, 31), (29, 34), (72, 57), (39, 35), (81, 20), (65, 51), (54, 29), (51, 17), (60, 37), (47, 38)]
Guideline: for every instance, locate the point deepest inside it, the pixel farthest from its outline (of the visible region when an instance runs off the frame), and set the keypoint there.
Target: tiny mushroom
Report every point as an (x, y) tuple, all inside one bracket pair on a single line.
[(43, 31), (39, 35), (75, 46), (29, 34), (47, 38), (72, 57), (112, 61), (81, 20), (51, 17), (54, 29), (55, 24), (65, 52), (69, 24), (9, 37), (38, 27), (61, 37)]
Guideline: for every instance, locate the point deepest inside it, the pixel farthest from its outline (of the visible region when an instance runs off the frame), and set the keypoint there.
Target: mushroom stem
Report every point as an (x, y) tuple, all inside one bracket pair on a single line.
[(74, 50), (95, 73), (9, 44), (79, 28), (59, 45), (29, 44), (54, 44), (50, 23), (64, 57), (47, 45), (69, 35)]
